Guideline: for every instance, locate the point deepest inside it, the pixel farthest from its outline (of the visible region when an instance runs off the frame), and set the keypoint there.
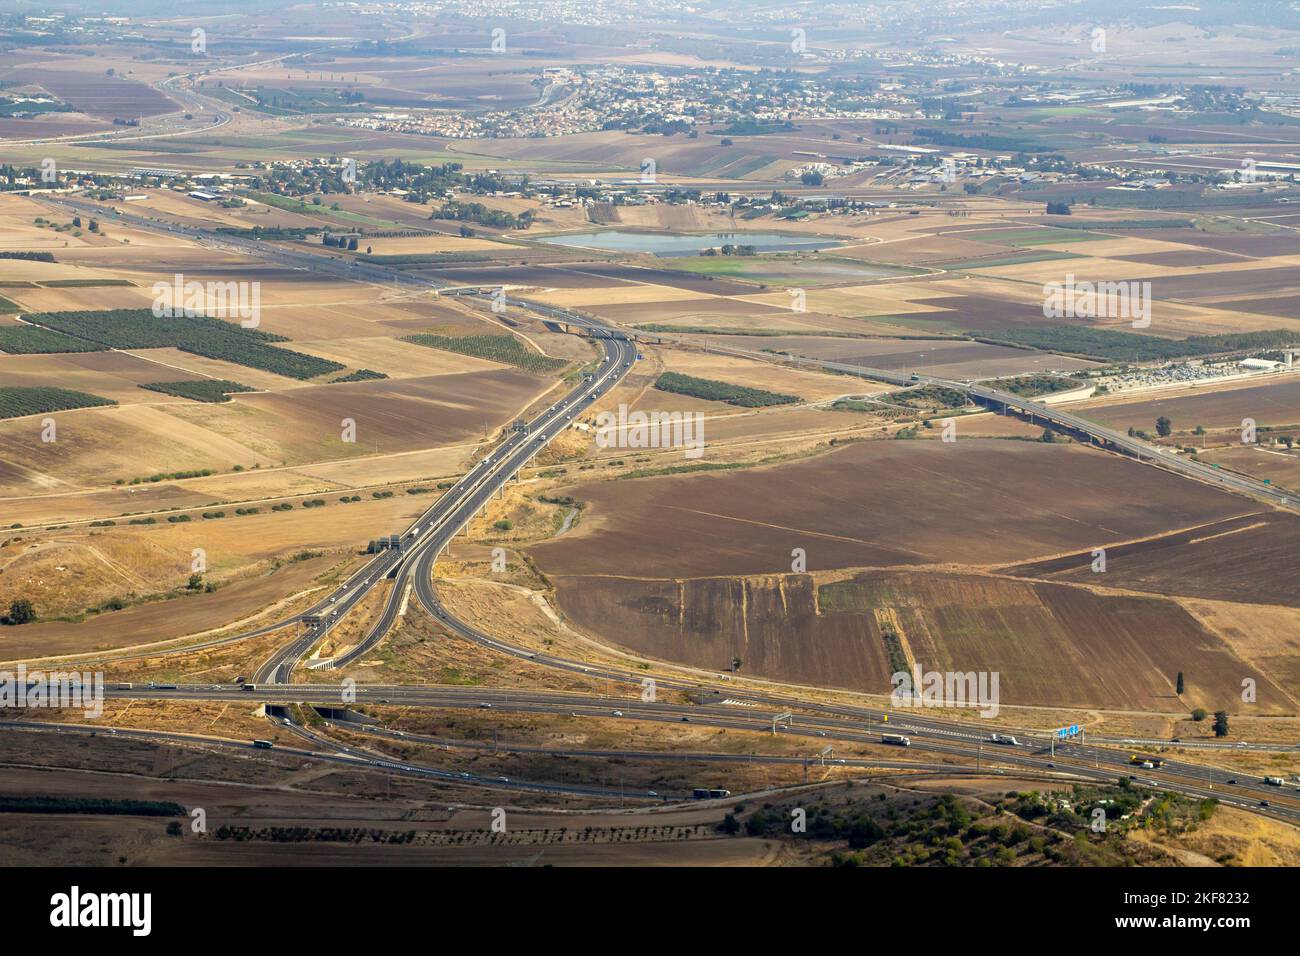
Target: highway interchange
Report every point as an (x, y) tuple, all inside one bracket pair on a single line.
[(429, 535)]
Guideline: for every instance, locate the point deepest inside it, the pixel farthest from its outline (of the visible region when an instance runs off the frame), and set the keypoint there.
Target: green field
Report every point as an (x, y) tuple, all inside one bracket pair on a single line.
[(716, 391), (1110, 345), (199, 390), (1031, 385), (82, 283), (1031, 236), (200, 335), (789, 269), (496, 348), (1046, 255), (15, 402), (929, 396), (854, 405), (89, 805), (360, 375), (30, 340), (732, 330), (287, 203)]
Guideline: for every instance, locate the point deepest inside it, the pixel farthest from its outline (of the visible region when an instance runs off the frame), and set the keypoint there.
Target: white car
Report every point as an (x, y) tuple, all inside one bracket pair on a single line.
[(618, 713)]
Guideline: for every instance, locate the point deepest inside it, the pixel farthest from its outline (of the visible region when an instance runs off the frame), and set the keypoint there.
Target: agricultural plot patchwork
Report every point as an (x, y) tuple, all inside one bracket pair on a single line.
[(202, 335), (839, 634), (932, 559)]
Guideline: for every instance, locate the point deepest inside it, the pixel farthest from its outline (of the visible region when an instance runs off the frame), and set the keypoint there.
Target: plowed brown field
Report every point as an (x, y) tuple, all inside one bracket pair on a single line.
[(973, 501)]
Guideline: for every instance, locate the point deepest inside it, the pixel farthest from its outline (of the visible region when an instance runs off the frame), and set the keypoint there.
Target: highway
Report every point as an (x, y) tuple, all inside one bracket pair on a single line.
[(324, 263), (472, 494), (332, 752), (1161, 457), (337, 753), (821, 725), (434, 530), (960, 737)]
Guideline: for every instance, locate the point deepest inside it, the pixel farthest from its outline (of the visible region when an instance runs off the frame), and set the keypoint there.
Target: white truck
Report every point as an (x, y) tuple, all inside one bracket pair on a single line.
[(1004, 739), (1274, 781)]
